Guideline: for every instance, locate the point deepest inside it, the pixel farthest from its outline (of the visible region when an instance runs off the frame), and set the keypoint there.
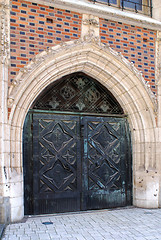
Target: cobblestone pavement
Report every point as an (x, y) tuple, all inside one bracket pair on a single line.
[(117, 224)]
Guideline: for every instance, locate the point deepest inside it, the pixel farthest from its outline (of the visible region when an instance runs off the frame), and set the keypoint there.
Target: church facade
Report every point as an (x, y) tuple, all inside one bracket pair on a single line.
[(80, 119)]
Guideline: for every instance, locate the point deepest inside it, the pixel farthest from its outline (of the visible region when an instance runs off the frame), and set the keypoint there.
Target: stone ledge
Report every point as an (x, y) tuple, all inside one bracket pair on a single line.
[(103, 11)]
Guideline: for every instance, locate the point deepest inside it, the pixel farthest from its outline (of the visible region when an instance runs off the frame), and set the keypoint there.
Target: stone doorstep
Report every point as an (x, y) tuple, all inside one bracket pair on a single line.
[(2, 226)]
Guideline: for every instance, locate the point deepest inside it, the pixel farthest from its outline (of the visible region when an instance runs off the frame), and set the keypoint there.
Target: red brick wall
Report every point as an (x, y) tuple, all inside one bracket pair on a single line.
[(35, 27), (135, 43)]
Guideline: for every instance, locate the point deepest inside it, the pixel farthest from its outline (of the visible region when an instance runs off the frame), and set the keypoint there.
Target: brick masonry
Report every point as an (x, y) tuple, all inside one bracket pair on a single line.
[(35, 27), (135, 43)]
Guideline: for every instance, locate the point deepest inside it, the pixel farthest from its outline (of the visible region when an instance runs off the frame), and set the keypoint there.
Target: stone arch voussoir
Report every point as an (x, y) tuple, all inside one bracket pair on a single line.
[(100, 62)]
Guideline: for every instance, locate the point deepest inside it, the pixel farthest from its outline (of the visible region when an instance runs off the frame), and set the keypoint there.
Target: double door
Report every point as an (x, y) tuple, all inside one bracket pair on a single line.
[(74, 162)]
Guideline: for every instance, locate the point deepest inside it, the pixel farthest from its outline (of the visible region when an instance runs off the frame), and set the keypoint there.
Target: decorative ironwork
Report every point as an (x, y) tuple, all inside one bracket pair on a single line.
[(67, 92), (78, 93), (130, 5), (54, 103)]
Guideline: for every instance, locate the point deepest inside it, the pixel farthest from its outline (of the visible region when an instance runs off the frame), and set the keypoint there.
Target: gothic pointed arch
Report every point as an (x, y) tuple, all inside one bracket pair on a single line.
[(111, 70), (108, 67)]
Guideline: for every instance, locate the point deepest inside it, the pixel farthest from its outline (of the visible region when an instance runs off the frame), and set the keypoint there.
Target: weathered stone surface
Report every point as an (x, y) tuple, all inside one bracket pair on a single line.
[(4, 210)]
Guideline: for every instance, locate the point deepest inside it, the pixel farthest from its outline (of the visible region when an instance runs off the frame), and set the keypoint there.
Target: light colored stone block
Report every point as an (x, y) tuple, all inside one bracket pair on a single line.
[(17, 213), (16, 201), (16, 190)]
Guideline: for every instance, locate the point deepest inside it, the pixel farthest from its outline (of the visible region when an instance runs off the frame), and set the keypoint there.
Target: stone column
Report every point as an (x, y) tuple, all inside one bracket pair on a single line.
[(147, 183), (158, 82), (4, 136)]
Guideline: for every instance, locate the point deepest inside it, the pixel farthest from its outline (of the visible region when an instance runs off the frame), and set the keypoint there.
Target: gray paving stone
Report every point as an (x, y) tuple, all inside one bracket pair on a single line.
[(24, 238), (118, 224), (44, 236)]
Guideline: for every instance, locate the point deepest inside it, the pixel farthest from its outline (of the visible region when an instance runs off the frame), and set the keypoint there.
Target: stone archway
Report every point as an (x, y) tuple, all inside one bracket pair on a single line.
[(76, 141), (114, 72)]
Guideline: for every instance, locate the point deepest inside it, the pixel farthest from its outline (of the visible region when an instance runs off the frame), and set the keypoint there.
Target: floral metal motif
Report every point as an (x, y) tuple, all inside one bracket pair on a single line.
[(80, 82), (92, 95), (54, 103), (80, 105), (67, 92), (105, 106), (78, 93)]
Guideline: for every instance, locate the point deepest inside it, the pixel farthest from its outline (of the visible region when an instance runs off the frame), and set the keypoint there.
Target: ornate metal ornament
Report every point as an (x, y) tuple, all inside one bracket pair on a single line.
[(78, 93)]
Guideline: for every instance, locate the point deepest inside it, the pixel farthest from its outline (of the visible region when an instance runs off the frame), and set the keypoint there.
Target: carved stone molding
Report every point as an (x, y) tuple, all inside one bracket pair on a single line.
[(87, 40), (90, 25), (10, 101), (91, 21), (4, 31), (90, 37)]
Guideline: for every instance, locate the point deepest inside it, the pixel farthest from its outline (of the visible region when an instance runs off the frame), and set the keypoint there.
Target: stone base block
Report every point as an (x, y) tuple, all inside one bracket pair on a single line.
[(5, 210), (146, 189)]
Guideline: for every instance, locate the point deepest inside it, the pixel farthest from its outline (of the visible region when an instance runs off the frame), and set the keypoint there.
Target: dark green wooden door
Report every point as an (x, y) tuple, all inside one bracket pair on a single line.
[(56, 163), (106, 169), (75, 162)]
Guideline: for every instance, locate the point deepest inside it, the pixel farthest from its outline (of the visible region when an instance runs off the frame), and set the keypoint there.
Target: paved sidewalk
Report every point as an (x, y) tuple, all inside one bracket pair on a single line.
[(117, 224)]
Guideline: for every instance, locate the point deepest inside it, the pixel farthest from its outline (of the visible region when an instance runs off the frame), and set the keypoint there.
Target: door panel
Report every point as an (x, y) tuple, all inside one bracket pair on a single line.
[(104, 171), (74, 163), (56, 163)]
